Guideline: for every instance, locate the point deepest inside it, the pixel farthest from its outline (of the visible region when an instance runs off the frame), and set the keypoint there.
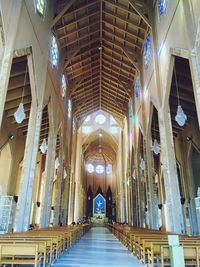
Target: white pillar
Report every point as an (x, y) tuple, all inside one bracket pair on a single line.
[(173, 209), (48, 180), (57, 205), (6, 63), (28, 173)]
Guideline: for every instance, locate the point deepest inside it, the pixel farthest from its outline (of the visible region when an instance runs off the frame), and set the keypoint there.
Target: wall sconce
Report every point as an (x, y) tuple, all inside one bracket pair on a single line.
[(160, 206), (38, 204)]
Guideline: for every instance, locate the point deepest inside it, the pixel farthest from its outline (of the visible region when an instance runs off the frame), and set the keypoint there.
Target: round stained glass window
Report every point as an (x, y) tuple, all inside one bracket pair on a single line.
[(90, 168), (100, 169), (100, 119)]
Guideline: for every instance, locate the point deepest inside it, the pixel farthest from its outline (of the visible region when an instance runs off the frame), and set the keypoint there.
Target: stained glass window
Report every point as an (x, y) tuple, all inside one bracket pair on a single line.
[(100, 119), (86, 129), (162, 7), (74, 125), (69, 108), (147, 51), (87, 118), (90, 168), (137, 86), (63, 86), (109, 169), (54, 52), (100, 169), (40, 7)]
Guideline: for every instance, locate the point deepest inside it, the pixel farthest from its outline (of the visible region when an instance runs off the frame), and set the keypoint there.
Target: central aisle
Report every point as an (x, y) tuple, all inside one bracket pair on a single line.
[(98, 248)]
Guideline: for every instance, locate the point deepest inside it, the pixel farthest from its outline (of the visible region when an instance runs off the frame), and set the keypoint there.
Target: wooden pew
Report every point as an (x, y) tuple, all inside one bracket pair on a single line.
[(20, 254)]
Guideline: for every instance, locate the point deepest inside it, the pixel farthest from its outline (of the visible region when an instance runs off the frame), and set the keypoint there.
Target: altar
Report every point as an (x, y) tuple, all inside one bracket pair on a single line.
[(99, 211)]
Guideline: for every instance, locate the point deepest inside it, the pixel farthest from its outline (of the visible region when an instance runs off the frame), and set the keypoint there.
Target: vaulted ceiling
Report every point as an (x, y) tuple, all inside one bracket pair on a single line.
[(102, 43)]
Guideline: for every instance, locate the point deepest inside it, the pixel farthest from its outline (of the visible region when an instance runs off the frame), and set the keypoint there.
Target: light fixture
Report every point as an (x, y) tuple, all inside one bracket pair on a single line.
[(180, 117), (100, 134), (57, 163), (65, 174), (44, 147), (142, 164), (20, 114), (156, 147)]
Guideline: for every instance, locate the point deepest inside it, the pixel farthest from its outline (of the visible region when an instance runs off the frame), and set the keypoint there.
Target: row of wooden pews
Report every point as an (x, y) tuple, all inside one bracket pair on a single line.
[(38, 247), (151, 246)]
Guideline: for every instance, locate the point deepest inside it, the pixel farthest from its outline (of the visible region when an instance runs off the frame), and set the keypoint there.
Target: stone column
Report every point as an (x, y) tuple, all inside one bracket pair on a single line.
[(58, 190), (48, 181), (6, 61), (28, 172), (173, 209), (152, 207)]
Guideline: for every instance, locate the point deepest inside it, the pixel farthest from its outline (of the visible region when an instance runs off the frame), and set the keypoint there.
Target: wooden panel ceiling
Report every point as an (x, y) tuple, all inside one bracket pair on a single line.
[(102, 43)]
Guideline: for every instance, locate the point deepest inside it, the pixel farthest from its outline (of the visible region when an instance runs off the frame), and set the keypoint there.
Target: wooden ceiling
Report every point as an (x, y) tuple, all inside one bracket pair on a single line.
[(102, 43)]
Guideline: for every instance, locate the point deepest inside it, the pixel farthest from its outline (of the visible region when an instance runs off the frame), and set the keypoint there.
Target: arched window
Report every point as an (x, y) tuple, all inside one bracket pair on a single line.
[(100, 119), (40, 7), (63, 86), (162, 7), (90, 168), (147, 51), (99, 169), (137, 86), (54, 52), (69, 108), (87, 119)]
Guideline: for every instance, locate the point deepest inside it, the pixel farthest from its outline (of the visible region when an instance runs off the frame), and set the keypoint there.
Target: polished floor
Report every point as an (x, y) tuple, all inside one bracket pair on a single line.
[(97, 248)]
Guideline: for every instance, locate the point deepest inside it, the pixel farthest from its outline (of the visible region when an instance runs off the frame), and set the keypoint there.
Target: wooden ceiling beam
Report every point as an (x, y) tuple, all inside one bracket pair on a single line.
[(62, 12), (69, 59), (89, 109), (134, 58), (78, 20), (126, 40), (124, 20), (140, 13), (115, 105), (121, 93), (71, 50), (85, 6), (124, 77), (89, 80), (126, 31), (87, 101), (85, 89), (114, 84), (111, 92), (82, 59), (88, 35), (94, 68), (110, 76), (112, 110), (10, 113), (120, 61), (83, 66), (131, 76), (77, 59), (90, 91), (15, 104), (16, 94), (85, 27)]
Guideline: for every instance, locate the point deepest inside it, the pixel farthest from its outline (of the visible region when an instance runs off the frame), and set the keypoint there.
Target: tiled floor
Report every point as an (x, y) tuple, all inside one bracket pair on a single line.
[(98, 248)]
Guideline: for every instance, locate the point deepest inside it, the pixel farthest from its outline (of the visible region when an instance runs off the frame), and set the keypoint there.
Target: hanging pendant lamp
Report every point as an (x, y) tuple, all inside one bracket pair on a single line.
[(156, 147), (142, 164), (44, 147), (180, 117), (19, 114)]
